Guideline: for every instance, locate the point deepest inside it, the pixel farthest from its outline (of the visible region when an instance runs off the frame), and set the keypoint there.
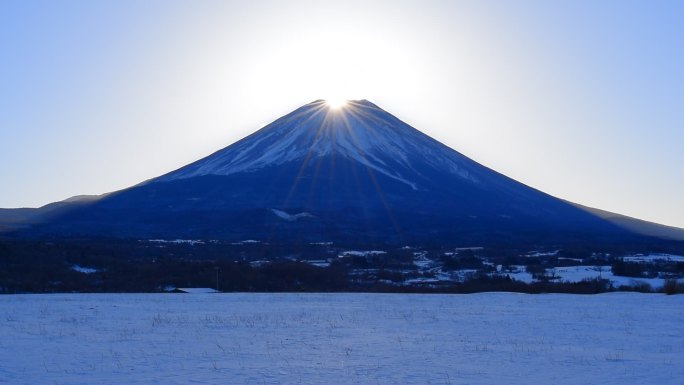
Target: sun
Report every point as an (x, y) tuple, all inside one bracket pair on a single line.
[(335, 104)]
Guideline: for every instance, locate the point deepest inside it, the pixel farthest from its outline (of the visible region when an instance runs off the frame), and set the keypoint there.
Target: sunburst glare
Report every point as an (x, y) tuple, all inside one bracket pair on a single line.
[(336, 104)]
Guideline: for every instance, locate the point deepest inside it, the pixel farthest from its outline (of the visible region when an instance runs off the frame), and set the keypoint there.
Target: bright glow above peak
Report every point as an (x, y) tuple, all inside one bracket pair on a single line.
[(335, 104)]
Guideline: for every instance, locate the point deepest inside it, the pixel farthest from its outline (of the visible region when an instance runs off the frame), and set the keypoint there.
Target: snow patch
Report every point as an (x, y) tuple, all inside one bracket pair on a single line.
[(83, 269), (535, 254), (191, 242), (196, 290), (291, 217), (359, 253), (318, 262)]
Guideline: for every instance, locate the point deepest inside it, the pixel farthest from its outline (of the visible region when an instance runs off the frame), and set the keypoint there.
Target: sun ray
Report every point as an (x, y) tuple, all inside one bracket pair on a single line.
[(369, 169), (295, 183)]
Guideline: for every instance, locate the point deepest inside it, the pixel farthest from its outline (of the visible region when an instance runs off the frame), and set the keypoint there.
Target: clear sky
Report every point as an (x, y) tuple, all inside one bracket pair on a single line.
[(581, 99)]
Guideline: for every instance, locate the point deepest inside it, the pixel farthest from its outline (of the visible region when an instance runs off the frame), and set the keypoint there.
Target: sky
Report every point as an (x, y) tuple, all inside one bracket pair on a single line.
[(583, 100)]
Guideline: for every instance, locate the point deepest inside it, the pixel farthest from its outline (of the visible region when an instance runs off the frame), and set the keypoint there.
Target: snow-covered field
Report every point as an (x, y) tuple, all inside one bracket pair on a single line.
[(489, 338)]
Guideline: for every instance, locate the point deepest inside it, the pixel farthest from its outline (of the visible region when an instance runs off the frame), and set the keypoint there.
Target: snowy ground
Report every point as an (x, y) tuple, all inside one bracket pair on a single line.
[(617, 338)]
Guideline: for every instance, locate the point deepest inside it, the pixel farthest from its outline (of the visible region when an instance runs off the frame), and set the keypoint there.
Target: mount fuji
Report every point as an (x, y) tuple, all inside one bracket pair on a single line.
[(355, 174)]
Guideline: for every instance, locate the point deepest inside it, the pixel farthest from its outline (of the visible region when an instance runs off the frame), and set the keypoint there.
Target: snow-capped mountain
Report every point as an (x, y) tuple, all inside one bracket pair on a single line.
[(359, 132), (354, 174)]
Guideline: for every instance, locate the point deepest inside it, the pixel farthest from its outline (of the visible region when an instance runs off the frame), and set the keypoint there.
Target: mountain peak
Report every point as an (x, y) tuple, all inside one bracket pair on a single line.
[(359, 131), (337, 105), (358, 102)]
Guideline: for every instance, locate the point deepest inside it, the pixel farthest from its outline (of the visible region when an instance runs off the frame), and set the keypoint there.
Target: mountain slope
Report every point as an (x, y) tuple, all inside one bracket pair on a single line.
[(637, 226), (357, 174), (19, 218)]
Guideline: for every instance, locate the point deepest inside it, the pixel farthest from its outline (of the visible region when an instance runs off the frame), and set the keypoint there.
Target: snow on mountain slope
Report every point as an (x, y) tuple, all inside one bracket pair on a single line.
[(359, 131)]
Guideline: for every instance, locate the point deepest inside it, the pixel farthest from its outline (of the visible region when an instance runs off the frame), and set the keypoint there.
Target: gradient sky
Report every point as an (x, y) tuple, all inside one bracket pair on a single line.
[(581, 99)]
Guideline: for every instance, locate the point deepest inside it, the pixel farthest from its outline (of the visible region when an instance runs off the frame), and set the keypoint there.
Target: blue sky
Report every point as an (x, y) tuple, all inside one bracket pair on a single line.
[(580, 99)]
